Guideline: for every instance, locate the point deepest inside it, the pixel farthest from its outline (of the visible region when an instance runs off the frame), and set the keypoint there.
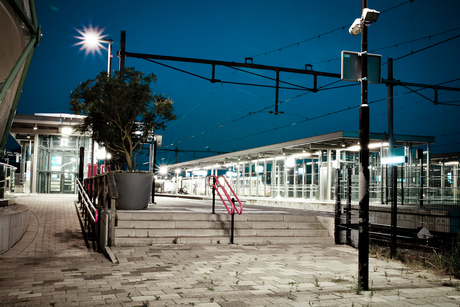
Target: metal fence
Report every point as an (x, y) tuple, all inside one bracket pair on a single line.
[(7, 178), (404, 198)]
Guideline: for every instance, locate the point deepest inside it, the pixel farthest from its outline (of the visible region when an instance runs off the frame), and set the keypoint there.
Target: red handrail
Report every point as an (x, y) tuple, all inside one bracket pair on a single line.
[(216, 185)]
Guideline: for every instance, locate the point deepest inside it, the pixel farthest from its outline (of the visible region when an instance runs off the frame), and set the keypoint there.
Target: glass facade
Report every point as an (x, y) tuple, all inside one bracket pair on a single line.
[(58, 162), (313, 177)]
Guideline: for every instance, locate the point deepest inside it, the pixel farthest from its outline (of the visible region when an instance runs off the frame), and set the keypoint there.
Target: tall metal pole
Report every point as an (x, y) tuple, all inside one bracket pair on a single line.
[(394, 213), (338, 208), (363, 250), (390, 108), (122, 52)]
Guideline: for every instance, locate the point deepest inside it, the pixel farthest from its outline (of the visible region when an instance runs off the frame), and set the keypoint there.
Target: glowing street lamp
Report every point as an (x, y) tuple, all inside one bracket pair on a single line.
[(91, 41)]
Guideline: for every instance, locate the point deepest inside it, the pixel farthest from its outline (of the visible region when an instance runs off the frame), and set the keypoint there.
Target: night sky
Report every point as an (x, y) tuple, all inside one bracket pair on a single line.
[(422, 36)]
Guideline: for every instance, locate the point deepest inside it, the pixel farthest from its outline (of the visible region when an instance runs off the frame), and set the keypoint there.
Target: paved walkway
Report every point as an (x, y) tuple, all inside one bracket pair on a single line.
[(51, 266)]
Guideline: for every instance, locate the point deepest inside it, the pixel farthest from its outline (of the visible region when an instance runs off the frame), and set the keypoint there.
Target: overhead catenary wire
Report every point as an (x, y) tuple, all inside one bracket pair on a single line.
[(323, 34), (262, 110), (394, 45), (197, 105), (324, 115)]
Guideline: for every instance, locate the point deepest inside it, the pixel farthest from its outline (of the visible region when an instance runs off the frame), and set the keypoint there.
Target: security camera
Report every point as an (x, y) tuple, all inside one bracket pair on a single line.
[(355, 28)]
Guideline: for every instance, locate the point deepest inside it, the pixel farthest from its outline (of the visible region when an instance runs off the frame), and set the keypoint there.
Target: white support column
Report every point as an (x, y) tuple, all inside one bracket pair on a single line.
[(313, 176), (329, 174), (237, 167), (443, 181), (250, 178), (274, 179), (243, 173), (304, 167), (34, 171), (256, 169), (455, 179), (428, 171), (265, 177), (286, 177)]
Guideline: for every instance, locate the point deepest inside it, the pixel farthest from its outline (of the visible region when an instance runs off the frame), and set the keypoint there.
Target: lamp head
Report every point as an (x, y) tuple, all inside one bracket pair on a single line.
[(369, 15)]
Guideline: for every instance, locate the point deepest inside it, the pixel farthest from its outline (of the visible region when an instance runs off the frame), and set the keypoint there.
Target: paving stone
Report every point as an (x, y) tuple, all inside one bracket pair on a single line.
[(54, 266)]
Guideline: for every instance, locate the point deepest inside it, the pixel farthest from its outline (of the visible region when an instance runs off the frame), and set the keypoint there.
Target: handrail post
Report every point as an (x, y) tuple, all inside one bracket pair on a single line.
[(233, 221), (214, 195)]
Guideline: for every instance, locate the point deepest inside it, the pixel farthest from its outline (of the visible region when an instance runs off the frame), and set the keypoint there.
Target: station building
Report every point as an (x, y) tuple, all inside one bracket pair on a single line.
[(50, 152)]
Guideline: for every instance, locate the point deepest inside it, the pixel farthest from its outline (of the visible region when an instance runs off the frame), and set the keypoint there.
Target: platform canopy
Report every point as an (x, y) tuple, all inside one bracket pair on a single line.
[(341, 140)]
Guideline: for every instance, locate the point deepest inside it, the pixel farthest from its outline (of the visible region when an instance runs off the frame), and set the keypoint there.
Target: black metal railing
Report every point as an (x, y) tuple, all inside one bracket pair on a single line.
[(98, 198)]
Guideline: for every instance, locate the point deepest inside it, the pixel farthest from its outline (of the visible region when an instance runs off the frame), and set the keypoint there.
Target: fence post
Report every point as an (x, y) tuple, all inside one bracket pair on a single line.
[(402, 183), (419, 155), (113, 195), (337, 207), (394, 212), (348, 239)]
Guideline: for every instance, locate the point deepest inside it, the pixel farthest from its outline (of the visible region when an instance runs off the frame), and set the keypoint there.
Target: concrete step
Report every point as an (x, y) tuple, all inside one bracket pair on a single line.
[(171, 216), (224, 240), (181, 232), (217, 224), (201, 228)]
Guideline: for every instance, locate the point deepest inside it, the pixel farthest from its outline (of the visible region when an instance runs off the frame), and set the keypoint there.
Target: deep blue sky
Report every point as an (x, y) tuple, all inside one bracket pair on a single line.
[(233, 30)]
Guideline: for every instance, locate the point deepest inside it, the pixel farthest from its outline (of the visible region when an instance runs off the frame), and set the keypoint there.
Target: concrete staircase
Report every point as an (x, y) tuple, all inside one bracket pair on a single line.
[(150, 227)]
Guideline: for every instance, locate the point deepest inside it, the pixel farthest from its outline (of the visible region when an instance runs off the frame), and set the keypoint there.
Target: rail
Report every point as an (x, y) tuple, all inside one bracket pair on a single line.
[(89, 214), (217, 185), (98, 197), (88, 205), (7, 177)]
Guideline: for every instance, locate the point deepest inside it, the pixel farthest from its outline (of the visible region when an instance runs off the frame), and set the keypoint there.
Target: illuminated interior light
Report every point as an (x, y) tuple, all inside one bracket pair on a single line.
[(394, 160), (66, 130)]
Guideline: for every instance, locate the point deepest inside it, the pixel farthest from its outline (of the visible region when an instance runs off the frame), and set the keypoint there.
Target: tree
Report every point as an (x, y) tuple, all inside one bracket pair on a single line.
[(121, 111)]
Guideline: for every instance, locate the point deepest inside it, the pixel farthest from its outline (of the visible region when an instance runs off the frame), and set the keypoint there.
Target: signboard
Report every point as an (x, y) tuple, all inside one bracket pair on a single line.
[(351, 67)]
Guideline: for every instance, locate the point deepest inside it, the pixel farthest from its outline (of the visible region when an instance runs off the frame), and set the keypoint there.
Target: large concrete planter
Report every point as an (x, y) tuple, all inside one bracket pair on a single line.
[(134, 190)]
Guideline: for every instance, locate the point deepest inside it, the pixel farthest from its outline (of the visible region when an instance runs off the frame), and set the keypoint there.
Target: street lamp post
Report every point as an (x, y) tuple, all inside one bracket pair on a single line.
[(91, 41), (368, 16), (109, 51), (363, 253)]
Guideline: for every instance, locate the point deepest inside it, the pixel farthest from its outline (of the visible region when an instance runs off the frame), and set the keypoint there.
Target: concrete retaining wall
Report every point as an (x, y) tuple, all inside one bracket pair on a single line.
[(408, 216), (14, 222), (292, 204)]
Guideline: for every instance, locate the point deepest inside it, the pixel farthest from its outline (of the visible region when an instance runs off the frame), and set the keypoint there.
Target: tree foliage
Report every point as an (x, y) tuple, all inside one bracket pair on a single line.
[(121, 111)]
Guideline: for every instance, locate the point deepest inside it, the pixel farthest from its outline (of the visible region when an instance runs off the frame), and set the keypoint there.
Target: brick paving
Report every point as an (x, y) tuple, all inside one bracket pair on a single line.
[(51, 266)]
